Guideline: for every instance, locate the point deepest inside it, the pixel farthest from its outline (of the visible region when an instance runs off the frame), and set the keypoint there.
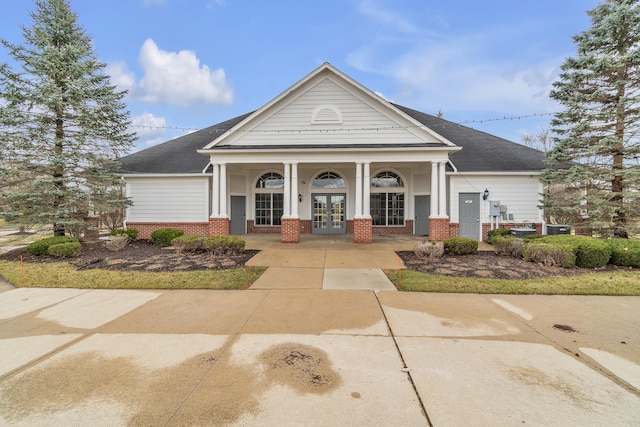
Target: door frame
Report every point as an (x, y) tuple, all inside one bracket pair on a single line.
[(234, 214), (329, 230), (415, 214), (477, 229)]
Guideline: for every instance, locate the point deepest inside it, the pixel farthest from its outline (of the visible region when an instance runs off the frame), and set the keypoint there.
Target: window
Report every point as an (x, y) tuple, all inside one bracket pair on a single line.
[(387, 199), (269, 199), (328, 180)]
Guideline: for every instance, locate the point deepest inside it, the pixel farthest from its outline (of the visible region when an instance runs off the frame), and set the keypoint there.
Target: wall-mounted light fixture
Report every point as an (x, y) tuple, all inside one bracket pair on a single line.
[(300, 198), (485, 195)]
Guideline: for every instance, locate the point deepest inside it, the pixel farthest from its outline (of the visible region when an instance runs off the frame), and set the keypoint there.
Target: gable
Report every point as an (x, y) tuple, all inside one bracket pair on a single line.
[(327, 109)]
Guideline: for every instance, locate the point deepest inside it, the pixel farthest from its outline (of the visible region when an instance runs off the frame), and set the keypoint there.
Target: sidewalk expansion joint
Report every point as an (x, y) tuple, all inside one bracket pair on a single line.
[(405, 368)]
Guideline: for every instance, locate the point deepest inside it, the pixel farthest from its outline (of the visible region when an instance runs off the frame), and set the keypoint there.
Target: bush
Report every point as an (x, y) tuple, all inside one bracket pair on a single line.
[(590, 252), (460, 246), (65, 250), (188, 243), (550, 254), (41, 247), (223, 245), (508, 246), (497, 232), (117, 242), (164, 236), (530, 237), (428, 249), (625, 252), (132, 233)]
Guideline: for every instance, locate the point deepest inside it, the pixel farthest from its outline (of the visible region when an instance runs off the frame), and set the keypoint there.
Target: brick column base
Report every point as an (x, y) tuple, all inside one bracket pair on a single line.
[(438, 229), (290, 230), (218, 226), (362, 230)]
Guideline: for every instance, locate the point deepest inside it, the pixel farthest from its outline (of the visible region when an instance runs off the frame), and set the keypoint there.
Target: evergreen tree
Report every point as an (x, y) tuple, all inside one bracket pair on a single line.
[(596, 149), (61, 124)]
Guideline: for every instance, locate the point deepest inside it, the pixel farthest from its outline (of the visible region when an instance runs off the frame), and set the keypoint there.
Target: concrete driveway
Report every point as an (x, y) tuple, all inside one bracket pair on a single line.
[(316, 357)]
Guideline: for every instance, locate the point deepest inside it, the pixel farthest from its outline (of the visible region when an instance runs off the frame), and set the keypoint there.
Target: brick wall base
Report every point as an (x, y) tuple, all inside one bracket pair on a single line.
[(407, 228), (439, 229), (146, 228), (362, 230), (290, 230), (219, 226)]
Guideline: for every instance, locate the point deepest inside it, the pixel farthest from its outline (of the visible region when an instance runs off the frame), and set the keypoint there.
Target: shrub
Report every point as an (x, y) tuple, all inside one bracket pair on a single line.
[(530, 237), (428, 249), (223, 245), (550, 254), (508, 246), (625, 252), (460, 246), (590, 252), (65, 250), (497, 232), (117, 242), (132, 233), (164, 236), (41, 247), (188, 243)]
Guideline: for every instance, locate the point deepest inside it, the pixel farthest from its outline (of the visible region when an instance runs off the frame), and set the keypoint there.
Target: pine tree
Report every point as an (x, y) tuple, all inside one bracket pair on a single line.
[(597, 146), (61, 124)]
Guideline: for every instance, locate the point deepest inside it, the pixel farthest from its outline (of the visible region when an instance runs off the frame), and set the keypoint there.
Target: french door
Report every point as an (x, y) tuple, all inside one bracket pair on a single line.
[(329, 213)]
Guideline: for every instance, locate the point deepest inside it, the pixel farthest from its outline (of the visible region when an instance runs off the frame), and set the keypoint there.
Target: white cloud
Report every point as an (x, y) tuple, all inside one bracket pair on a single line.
[(151, 130), (172, 78), (121, 76), (179, 79)]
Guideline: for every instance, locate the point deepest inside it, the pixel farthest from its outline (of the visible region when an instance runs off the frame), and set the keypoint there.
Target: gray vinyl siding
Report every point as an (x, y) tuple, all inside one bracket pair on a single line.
[(178, 199), (361, 122), (519, 193)]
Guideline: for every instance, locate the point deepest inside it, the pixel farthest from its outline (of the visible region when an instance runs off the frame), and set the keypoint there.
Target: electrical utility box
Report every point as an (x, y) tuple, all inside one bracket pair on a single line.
[(494, 208)]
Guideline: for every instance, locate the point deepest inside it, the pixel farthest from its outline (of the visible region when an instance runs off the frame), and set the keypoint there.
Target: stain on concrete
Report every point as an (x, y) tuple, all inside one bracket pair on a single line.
[(533, 376), (304, 368)]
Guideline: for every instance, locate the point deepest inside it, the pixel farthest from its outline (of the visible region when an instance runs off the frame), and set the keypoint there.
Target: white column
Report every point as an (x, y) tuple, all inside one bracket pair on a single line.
[(442, 190), (366, 194), (294, 190), (223, 191), (287, 191), (358, 213), (215, 191), (434, 190)]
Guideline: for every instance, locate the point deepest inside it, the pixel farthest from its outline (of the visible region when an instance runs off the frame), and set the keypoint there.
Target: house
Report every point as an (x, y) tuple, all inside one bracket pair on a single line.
[(329, 156)]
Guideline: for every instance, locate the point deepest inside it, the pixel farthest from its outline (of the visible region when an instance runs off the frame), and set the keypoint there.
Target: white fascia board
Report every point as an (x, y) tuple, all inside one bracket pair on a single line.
[(501, 173), (330, 155), (162, 175), (382, 105)]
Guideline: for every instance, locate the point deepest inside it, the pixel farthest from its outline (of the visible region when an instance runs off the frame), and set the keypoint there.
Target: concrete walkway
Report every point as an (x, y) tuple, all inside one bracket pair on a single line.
[(316, 358), (327, 262)]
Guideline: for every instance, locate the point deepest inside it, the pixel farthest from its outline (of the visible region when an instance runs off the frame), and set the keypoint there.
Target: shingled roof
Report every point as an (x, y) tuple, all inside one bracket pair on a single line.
[(178, 155), (481, 152)]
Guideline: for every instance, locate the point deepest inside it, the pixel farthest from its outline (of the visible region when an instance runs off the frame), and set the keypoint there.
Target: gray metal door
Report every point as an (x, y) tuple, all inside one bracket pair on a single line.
[(422, 211), (238, 215), (329, 213), (469, 204)]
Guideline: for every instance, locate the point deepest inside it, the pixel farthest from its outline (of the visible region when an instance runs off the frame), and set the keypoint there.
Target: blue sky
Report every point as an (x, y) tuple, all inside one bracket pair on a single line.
[(193, 63)]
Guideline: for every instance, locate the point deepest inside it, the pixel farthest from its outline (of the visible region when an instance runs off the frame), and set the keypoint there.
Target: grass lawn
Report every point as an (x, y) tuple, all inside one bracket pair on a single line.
[(63, 275), (603, 283)]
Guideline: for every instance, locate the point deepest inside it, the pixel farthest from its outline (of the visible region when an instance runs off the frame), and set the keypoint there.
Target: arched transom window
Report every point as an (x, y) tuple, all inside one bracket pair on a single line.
[(269, 199), (328, 180), (387, 199)]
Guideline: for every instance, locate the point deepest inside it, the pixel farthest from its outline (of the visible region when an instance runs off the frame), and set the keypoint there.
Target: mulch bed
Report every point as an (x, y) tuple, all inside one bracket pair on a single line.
[(488, 265), (140, 255)]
